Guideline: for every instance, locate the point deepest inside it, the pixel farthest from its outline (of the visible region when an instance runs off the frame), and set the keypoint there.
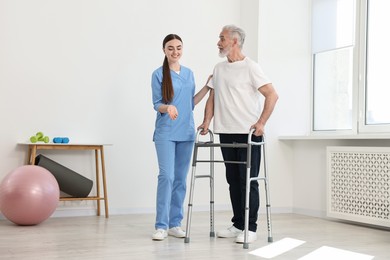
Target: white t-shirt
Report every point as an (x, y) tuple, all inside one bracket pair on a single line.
[(237, 101)]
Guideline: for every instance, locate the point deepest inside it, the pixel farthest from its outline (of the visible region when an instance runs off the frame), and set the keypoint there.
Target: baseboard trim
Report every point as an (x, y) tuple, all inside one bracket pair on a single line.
[(90, 211)]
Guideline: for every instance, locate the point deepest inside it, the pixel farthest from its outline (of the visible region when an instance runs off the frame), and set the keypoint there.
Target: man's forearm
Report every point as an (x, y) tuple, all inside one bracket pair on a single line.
[(269, 105)]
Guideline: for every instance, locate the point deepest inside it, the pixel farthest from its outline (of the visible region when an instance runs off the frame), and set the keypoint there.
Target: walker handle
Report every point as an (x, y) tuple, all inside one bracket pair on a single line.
[(250, 138), (208, 132)]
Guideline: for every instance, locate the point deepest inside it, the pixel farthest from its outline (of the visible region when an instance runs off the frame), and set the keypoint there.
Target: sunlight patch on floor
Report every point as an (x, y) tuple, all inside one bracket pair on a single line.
[(326, 252), (323, 253), (277, 248)]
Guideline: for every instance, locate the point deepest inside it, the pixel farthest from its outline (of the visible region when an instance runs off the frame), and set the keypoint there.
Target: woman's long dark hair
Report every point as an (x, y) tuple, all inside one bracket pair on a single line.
[(167, 87)]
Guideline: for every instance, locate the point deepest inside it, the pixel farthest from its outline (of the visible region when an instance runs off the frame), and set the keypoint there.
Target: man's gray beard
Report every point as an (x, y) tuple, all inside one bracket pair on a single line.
[(223, 54)]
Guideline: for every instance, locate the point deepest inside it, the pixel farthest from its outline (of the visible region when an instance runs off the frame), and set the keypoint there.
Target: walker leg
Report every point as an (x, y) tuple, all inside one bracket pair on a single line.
[(268, 211), (189, 211), (212, 232), (247, 191), (267, 197), (192, 188)]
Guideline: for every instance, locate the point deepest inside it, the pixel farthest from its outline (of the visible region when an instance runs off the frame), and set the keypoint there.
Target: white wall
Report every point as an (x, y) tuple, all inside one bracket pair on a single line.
[(82, 69), (284, 53)]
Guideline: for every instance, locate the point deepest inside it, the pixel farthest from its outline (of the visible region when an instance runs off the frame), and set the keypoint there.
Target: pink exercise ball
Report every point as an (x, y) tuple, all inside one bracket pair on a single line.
[(29, 195)]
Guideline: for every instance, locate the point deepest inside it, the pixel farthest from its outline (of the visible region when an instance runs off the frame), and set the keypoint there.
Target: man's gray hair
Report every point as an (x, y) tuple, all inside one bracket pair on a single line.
[(235, 33)]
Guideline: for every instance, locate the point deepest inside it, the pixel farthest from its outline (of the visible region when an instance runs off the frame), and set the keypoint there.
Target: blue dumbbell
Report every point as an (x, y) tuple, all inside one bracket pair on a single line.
[(61, 140)]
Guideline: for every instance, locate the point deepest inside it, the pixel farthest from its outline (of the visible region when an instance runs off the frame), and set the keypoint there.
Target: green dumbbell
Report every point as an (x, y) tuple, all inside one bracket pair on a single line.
[(33, 139), (39, 137)]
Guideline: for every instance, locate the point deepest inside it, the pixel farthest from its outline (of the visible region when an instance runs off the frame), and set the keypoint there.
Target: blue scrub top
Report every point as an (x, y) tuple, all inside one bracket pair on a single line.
[(183, 128)]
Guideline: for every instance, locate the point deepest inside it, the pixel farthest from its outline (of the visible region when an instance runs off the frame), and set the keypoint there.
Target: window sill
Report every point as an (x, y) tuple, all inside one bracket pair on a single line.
[(335, 137)]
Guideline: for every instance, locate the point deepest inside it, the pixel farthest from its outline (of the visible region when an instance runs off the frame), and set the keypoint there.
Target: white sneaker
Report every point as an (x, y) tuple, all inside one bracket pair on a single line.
[(252, 236), (229, 232), (176, 232), (159, 234)]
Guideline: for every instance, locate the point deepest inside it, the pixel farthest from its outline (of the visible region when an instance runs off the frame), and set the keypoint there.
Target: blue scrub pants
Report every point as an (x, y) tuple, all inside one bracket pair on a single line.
[(174, 159)]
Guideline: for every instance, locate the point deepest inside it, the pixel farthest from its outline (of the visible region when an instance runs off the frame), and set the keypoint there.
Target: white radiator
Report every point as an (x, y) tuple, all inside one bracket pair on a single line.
[(358, 184)]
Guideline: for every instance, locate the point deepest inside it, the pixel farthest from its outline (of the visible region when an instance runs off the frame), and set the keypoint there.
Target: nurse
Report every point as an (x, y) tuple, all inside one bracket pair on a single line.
[(173, 89)]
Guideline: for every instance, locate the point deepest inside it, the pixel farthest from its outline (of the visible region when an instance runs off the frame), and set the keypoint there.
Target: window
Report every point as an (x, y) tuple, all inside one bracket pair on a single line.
[(378, 54), (350, 89), (333, 89)]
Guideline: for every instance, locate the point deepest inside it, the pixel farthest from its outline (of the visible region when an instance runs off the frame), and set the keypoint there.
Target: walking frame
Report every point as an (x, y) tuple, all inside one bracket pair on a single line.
[(211, 145)]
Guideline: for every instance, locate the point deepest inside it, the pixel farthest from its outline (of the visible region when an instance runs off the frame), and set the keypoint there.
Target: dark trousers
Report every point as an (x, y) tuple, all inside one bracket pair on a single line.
[(236, 178)]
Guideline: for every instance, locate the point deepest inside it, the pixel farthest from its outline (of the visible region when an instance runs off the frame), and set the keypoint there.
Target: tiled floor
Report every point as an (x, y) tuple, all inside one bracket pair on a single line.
[(129, 237)]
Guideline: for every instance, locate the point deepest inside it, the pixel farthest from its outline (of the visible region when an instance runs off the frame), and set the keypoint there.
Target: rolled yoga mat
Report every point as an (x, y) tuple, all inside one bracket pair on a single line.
[(69, 181)]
